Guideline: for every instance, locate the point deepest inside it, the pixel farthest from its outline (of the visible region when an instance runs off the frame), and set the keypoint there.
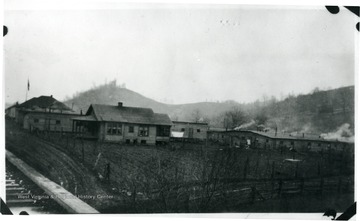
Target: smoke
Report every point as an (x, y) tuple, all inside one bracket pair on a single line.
[(343, 133), (245, 126), (307, 128)]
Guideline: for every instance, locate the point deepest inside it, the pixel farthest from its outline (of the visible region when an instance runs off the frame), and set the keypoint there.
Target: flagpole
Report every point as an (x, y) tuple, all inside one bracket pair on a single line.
[(26, 94), (27, 89)]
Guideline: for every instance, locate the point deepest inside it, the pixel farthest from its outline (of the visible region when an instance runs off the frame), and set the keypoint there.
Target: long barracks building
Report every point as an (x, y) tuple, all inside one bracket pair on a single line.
[(281, 141)]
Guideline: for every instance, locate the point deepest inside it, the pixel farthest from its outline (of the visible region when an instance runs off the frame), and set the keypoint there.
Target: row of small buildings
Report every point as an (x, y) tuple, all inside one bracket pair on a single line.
[(113, 123), (137, 125)]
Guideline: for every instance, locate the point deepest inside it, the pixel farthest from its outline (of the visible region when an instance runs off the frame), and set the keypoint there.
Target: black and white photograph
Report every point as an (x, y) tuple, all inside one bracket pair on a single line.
[(180, 108)]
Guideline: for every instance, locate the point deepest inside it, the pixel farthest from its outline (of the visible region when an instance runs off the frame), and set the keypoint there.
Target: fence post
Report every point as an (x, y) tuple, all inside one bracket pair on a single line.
[(82, 150), (159, 164), (187, 202), (246, 167), (67, 142), (321, 185), (107, 175), (252, 194), (257, 164), (302, 184), (272, 178), (273, 170), (280, 187), (95, 147), (296, 170), (176, 173)]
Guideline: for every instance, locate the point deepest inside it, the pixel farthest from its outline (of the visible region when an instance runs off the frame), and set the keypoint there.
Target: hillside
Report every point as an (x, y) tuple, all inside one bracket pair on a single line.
[(316, 112), (320, 111), (111, 94)]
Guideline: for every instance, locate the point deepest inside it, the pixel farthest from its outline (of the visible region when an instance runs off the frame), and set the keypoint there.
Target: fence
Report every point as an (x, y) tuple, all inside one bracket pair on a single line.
[(253, 179)]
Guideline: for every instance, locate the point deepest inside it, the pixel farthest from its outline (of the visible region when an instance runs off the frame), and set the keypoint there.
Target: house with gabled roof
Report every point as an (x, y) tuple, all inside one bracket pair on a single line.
[(118, 123), (44, 113)]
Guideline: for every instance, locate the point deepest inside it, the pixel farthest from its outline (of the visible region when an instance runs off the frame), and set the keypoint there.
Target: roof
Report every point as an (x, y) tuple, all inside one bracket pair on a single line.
[(164, 118), (12, 106), (51, 113), (127, 114), (85, 118), (217, 129), (189, 122), (289, 136), (43, 102), (279, 135)]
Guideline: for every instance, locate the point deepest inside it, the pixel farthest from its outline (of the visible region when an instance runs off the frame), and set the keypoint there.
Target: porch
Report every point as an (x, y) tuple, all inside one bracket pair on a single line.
[(86, 127)]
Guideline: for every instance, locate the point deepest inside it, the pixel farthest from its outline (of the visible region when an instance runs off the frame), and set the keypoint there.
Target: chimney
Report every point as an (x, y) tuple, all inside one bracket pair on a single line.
[(120, 104), (50, 95), (81, 113), (303, 135)]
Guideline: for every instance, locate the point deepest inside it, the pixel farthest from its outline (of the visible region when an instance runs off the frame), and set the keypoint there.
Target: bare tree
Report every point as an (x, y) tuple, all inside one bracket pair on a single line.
[(234, 117), (261, 117), (196, 115)]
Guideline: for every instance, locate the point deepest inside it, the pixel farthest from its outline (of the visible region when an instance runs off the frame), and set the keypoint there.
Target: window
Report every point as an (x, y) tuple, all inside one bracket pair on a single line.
[(182, 129), (131, 129), (319, 144), (163, 131), (198, 130), (114, 128), (267, 140), (292, 143), (281, 142), (57, 122), (143, 141), (36, 120), (143, 131), (127, 141)]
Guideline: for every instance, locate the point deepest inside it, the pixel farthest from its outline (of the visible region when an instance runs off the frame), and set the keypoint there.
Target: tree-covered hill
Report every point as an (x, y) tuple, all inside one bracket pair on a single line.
[(316, 112)]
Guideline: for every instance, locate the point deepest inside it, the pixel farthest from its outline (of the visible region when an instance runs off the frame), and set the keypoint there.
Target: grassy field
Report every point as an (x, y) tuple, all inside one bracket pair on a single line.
[(187, 178)]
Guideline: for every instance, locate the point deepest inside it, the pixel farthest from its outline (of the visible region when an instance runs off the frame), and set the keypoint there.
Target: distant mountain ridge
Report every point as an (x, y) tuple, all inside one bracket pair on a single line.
[(319, 111), (111, 94)]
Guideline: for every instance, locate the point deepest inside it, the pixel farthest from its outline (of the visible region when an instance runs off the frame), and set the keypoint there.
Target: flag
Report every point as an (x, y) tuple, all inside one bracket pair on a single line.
[(28, 85)]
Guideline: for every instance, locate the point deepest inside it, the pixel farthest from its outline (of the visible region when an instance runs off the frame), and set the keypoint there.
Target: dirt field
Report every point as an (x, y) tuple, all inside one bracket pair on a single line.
[(56, 165), (186, 178)]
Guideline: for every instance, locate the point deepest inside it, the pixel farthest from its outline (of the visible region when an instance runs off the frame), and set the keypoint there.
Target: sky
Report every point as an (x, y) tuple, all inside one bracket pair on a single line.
[(179, 53)]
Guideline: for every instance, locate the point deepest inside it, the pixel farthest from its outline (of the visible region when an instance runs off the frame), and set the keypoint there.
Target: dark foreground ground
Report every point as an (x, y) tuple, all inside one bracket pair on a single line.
[(191, 178)]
